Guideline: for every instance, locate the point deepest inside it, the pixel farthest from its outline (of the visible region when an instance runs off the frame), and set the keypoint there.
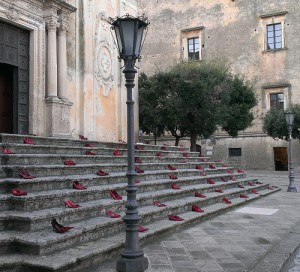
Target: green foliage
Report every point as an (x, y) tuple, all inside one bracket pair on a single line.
[(275, 123)]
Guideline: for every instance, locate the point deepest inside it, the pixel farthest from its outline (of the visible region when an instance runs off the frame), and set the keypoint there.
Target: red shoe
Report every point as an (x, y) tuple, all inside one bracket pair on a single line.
[(117, 153), (197, 194), (139, 147), (203, 160), (251, 183), (211, 166), (7, 151), (171, 167), (229, 171), (18, 192), (81, 137), (217, 161), (243, 196), (139, 170), (58, 227), (114, 195), (112, 214), (147, 142), (89, 152), (240, 186), (89, 145), (138, 160), (159, 154), (172, 176), (158, 204), (163, 148), (102, 173), (175, 217), (224, 179), (183, 161), (69, 162), (199, 167), (196, 208), (26, 140), (210, 181), (240, 171), (254, 192), (218, 191), (257, 182), (78, 186), (224, 165), (232, 178), (227, 201), (203, 174), (71, 204), (186, 155), (175, 186), (137, 181), (142, 229), (24, 174)]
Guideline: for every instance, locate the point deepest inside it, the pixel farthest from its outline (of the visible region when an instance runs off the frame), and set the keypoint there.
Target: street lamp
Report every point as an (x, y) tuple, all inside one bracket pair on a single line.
[(290, 117), (129, 35)]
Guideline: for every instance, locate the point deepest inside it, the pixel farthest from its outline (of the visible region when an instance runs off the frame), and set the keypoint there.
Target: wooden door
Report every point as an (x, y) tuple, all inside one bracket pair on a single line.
[(6, 98), (281, 158)]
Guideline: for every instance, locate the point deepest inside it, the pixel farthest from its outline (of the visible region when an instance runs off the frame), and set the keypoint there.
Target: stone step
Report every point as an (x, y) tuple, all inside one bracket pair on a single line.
[(85, 256)]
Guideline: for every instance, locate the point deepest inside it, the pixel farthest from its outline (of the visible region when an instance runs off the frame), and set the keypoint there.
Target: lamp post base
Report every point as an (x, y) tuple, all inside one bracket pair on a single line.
[(139, 264), (292, 189)]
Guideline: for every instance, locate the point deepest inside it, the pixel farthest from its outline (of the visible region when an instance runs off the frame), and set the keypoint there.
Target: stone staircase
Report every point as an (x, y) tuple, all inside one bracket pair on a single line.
[(27, 241)]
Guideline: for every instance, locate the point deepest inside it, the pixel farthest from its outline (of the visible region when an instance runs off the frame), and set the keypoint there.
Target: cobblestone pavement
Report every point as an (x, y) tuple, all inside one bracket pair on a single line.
[(232, 242)]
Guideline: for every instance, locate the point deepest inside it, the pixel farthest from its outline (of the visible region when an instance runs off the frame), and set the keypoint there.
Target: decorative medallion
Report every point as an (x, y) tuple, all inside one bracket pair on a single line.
[(12, 14)]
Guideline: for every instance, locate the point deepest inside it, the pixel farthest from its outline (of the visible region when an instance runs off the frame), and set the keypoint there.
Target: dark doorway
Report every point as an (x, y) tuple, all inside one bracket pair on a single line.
[(6, 98), (280, 158)]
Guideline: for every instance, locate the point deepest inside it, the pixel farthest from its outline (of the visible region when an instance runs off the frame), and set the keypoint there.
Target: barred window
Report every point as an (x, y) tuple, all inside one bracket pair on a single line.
[(235, 152)]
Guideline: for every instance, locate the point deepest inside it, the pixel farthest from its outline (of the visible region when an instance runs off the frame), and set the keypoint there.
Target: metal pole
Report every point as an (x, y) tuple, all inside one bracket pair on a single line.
[(132, 258), (292, 187)]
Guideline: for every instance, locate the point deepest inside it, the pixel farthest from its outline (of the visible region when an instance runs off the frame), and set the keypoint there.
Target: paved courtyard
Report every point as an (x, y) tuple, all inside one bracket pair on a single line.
[(258, 237)]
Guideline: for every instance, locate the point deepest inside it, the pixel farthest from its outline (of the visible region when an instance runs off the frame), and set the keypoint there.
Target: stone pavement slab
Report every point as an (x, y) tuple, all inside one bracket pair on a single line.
[(234, 241)]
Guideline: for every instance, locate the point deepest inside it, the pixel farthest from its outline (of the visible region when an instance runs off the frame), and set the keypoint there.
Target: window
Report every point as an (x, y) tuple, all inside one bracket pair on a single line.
[(193, 48), (235, 152), (277, 101), (274, 36)]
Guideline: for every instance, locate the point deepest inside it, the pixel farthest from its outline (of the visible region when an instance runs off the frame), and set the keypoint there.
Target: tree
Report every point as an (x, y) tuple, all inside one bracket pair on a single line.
[(275, 124)]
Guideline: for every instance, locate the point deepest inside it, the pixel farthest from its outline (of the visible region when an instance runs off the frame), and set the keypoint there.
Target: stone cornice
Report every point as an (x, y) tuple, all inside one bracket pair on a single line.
[(274, 14), (276, 85)]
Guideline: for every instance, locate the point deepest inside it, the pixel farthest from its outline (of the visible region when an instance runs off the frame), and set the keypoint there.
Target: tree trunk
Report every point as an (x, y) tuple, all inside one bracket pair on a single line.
[(155, 138), (177, 140), (193, 141)]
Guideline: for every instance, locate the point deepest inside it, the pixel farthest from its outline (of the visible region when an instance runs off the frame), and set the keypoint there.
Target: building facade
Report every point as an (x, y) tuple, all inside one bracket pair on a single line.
[(59, 71), (257, 38)]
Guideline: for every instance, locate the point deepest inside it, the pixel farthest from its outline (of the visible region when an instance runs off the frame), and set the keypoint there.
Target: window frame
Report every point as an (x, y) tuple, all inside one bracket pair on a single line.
[(277, 101), (195, 54), (234, 152), (274, 36), (191, 33)]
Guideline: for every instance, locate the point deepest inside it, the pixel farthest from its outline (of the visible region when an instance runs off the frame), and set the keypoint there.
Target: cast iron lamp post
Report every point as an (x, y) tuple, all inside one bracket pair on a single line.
[(290, 117), (129, 34)]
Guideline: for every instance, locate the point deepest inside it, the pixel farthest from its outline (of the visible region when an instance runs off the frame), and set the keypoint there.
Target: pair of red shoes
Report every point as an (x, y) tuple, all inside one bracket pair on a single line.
[(138, 160), (227, 201), (71, 204), (224, 179), (114, 195), (224, 165), (197, 194), (196, 208), (171, 176), (251, 183), (18, 192), (58, 227), (210, 181), (89, 145), (24, 174), (81, 137), (240, 171), (90, 153), (102, 173), (171, 167), (243, 196), (159, 154), (158, 204), (139, 170), (211, 166), (137, 181), (78, 186), (240, 186), (142, 229), (229, 171), (203, 174), (232, 178), (186, 155), (112, 214), (7, 151), (163, 148), (26, 140), (175, 186), (199, 167), (218, 191), (254, 192), (174, 217), (139, 147), (69, 162), (117, 153)]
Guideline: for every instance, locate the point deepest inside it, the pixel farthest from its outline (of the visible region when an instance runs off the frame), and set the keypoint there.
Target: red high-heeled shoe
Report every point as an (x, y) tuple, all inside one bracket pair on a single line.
[(174, 217), (218, 191), (224, 179), (171, 176), (210, 181), (139, 147), (58, 227), (112, 214), (159, 154), (81, 137), (89, 145), (114, 195), (142, 229), (117, 153), (186, 155), (163, 148), (227, 201), (224, 165), (232, 178), (258, 182), (243, 196), (211, 166), (158, 204), (199, 167), (196, 208), (102, 173), (90, 153), (7, 151), (71, 204), (137, 181), (254, 192), (26, 140), (197, 194), (171, 167), (202, 174), (251, 183), (18, 192), (78, 186), (24, 174), (69, 162), (147, 142), (240, 186), (139, 170), (175, 186), (137, 160), (229, 171), (240, 171)]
